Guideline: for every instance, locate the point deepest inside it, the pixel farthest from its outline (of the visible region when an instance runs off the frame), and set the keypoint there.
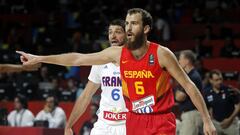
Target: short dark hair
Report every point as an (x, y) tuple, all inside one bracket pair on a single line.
[(146, 16), (190, 55), (215, 71), (118, 22), (54, 98), (23, 100)]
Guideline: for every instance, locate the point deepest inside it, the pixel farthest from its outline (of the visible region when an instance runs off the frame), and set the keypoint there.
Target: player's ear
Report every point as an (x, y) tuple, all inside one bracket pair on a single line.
[(147, 29)]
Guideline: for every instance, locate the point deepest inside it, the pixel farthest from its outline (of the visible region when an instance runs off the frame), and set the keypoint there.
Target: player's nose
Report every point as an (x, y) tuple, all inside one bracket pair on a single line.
[(128, 27)]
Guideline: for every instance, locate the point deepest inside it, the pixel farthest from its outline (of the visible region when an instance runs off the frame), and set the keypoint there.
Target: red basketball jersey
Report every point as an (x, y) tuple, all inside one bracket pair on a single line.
[(146, 86)]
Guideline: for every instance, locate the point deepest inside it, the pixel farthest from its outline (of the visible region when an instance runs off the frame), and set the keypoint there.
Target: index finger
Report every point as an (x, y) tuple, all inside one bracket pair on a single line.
[(21, 52)]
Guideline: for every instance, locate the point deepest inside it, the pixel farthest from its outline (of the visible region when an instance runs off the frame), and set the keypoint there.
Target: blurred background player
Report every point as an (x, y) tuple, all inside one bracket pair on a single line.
[(191, 120), (111, 113)]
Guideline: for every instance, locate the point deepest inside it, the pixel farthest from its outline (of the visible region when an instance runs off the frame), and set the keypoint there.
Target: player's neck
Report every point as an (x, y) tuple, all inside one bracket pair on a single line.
[(140, 52)]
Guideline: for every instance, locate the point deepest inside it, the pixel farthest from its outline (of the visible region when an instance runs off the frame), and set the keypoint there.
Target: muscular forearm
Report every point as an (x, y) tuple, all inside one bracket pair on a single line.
[(75, 59), (198, 101), (68, 59), (111, 54), (7, 68)]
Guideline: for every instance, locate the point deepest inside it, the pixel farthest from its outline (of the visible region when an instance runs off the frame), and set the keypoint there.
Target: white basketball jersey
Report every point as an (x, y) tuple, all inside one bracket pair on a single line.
[(112, 106)]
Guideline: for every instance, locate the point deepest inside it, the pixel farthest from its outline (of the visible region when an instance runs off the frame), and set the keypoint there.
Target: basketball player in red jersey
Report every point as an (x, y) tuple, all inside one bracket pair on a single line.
[(145, 69)]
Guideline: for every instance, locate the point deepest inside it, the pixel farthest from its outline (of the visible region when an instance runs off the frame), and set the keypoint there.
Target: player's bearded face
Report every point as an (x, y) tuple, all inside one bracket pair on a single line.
[(136, 40), (135, 31)]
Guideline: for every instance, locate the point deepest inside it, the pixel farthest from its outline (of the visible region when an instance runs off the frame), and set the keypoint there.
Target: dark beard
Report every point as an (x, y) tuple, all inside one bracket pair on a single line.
[(139, 39)]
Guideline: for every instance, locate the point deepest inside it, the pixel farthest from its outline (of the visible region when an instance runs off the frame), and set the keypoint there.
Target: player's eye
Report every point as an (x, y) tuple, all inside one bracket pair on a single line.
[(134, 22), (118, 32)]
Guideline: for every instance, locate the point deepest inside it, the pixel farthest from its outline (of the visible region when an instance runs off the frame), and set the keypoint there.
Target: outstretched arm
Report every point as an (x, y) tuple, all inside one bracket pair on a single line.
[(169, 61), (81, 105), (111, 54), (9, 68)]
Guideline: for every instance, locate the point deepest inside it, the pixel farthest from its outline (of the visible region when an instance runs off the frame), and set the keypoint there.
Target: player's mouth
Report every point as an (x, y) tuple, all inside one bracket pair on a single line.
[(129, 35), (114, 42)]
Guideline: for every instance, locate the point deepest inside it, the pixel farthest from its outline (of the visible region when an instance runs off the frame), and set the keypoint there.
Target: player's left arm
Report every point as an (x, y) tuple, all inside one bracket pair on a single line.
[(111, 54), (9, 68), (168, 61)]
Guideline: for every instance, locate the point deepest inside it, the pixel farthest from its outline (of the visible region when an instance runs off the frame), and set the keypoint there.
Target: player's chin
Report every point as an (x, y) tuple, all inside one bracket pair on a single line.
[(131, 39)]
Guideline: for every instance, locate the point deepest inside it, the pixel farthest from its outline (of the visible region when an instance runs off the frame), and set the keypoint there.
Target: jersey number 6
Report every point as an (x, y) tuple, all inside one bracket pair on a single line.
[(139, 88), (115, 94)]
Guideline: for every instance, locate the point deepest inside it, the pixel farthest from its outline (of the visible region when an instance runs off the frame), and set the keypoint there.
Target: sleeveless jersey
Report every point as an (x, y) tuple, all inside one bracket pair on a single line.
[(112, 106), (146, 86)]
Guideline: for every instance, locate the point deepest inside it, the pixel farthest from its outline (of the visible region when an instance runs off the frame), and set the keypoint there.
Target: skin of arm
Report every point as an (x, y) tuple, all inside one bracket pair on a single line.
[(111, 54), (81, 104), (168, 60), (9, 68), (6, 68)]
